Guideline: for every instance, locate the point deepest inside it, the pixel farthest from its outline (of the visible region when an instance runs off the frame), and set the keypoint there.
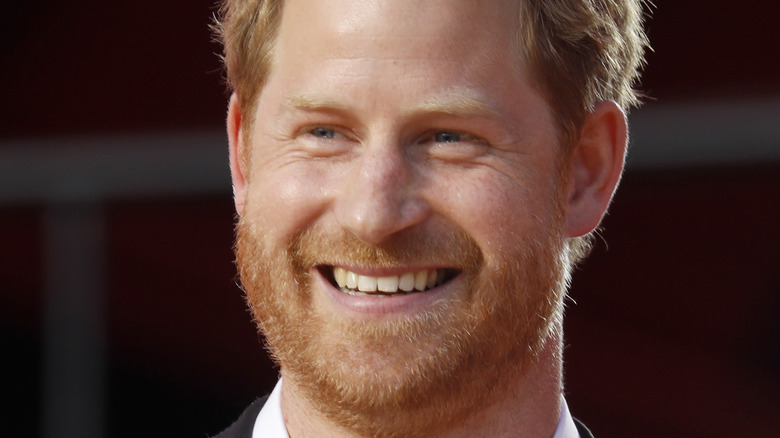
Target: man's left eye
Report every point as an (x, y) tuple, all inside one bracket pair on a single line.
[(325, 133), (447, 137)]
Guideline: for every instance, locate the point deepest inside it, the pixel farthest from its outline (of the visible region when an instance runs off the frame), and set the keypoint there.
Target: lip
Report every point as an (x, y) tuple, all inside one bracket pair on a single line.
[(389, 306)]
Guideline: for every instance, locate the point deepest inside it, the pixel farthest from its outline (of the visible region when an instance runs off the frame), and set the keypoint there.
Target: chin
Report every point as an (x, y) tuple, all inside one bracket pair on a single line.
[(396, 374)]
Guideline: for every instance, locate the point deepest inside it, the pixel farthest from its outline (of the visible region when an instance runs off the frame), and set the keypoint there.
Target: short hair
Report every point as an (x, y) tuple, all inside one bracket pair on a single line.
[(579, 52), (247, 30), (582, 52)]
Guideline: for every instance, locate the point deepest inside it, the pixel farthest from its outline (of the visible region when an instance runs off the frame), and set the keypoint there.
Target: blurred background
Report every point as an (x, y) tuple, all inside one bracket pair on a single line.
[(119, 312)]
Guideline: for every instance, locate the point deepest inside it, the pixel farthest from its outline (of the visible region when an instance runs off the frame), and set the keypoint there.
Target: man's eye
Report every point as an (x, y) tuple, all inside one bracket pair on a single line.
[(325, 133), (447, 137)]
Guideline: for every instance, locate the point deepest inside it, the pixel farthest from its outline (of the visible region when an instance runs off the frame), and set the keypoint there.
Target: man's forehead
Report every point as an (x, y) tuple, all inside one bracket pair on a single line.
[(453, 101), (322, 62), (405, 19)]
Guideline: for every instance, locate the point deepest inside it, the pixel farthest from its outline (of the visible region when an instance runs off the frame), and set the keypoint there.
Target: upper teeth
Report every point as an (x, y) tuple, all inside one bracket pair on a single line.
[(407, 282)]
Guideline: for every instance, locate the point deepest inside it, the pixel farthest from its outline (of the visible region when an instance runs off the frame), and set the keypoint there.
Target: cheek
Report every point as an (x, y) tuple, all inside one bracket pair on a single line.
[(284, 200), (500, 212)]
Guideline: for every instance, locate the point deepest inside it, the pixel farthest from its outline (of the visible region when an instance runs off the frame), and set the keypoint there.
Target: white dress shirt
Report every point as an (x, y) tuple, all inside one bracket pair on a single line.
[(270, 422)]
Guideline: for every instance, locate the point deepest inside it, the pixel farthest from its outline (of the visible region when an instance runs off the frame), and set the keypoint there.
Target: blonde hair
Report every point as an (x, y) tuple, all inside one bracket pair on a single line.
[(247, 30), (582, 52)]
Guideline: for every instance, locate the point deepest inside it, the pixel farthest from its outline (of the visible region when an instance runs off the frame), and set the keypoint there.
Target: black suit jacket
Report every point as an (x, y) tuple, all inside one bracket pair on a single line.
[(242, 428)]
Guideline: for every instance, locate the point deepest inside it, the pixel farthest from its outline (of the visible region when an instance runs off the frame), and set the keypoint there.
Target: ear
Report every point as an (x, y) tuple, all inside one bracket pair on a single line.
[(236, 146), (595, 167)]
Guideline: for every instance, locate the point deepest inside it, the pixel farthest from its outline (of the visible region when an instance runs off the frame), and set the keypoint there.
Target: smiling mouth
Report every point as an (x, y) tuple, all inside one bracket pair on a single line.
[(407, 283)]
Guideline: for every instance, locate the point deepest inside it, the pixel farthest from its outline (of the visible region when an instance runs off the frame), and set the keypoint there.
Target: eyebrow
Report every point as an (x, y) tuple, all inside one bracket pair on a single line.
[(310, 102), (455, 102), (458, 102)]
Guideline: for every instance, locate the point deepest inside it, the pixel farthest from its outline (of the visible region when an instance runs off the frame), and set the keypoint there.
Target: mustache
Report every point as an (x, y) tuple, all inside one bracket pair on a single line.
[(413, 247)]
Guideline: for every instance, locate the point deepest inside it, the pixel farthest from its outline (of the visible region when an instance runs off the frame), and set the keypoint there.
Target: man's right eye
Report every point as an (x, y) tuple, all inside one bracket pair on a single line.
[(325, 133), (447, 137)]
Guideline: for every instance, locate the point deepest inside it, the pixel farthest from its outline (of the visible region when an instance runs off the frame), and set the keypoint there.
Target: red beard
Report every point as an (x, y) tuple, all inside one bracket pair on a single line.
[(416, 375)]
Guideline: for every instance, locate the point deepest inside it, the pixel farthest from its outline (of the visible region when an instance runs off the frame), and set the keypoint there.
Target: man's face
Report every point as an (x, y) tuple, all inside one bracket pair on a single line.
[(392, 141)]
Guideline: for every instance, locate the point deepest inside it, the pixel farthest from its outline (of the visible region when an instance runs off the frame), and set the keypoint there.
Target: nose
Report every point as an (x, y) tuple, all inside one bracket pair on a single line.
[(380, 195)]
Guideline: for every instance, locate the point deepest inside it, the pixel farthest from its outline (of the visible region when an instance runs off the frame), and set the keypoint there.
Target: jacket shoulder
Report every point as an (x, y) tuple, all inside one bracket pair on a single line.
[(243, 426)]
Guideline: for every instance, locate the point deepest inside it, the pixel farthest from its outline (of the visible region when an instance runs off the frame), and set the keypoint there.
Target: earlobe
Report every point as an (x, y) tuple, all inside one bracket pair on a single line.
[(235, 142), (595, 167)]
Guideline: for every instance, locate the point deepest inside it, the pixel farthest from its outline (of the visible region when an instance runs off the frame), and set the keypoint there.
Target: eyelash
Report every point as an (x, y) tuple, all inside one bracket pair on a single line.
[(460, 137), (329, 133), (326, 133)]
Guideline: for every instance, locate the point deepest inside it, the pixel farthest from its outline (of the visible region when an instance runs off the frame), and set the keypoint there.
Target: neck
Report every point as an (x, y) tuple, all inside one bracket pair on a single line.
[(529, 406)]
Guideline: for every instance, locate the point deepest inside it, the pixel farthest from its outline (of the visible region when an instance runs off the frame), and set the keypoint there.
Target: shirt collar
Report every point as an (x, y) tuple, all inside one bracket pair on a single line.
[(566, 427), (270, 422)]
